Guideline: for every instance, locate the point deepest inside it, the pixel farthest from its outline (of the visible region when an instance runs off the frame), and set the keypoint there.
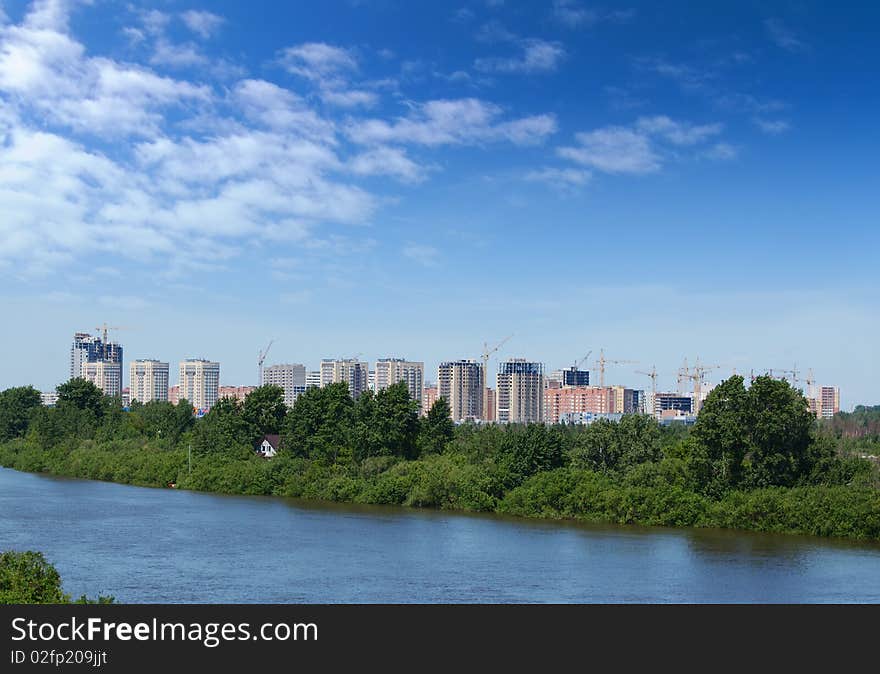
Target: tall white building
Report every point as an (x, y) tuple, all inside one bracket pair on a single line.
[(520, 392), (106, 376), (461, 383), (349, 370), (392, 370), (147, 381), (199, 382), (313, 378), (289, 376)]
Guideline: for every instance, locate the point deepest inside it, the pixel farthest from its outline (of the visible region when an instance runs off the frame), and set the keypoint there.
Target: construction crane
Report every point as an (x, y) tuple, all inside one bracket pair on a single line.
[(485, 359), (104, 328), (696, 374), (653, 375), (578, 363), (602, 361), (261, 359)]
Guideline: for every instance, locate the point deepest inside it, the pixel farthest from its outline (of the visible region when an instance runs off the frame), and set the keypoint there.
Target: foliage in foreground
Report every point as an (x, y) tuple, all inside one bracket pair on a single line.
[(27, 578)]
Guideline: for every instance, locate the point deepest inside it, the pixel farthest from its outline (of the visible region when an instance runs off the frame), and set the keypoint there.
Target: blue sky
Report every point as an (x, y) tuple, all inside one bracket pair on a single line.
[(412, 179)]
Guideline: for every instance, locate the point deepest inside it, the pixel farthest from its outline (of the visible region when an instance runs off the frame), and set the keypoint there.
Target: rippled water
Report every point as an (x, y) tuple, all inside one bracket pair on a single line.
[(162, 545)]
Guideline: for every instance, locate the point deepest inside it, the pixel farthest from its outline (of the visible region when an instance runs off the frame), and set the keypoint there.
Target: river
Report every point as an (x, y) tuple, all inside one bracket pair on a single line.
[(166, 546)]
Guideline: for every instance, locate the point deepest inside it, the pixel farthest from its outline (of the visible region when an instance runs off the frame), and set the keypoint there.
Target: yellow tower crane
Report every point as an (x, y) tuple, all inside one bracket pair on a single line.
[(602, 361), (485, 360)]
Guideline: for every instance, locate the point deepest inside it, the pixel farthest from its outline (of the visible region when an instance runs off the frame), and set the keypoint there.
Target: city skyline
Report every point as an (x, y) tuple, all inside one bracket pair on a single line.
[(661, 182)]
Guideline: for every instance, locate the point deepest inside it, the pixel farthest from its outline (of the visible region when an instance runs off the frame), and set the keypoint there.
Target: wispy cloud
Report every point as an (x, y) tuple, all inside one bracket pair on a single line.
[(427, 256), (466, 121), (537, 56), (782, 36), (203, 23), (560, 178), (638, 149), (772, 127), (318, 60), (573, 14)]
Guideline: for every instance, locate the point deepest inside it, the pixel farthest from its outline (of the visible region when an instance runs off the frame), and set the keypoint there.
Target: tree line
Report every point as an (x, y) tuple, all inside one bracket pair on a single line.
[(755, 459)]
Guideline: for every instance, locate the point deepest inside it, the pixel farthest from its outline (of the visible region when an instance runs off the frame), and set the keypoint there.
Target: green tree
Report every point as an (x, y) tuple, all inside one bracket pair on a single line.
[(224, 429), (16, 407), (81, 394), (720, 438), (264, 409), (320, 423), (27, 578), (529, 449), (780, 433), (436, 429), (397, 421), (597, 447)]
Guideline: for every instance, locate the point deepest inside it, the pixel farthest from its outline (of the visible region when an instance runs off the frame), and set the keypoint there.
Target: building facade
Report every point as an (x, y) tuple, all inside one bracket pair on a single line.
[(289, 376), (429, 397), (313, 378), (148, 380), (461, 383), (673, 402), (827, 402), (349, 370), (199, 382), (393, 370), (577, 400), (237, 392), (519, 392), (92, 349), (570, 376), (106, 376)]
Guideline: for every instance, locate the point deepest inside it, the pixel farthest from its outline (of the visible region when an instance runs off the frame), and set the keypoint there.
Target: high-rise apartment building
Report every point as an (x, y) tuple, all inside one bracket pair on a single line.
[(92, 349), (490, 403), (570, 376), (349, 370), (174, 394), (393, 370), (147, 380), (289, 376), (429, 397), (461, 383), (666, 402), (576, 400), (828, 401), (627, 401), (199, 382), (106, 376), (313, 378), (237, 392), (519, 391)]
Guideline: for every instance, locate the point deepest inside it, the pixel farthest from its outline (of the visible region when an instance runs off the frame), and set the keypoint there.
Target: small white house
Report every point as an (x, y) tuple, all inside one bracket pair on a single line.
[(268, 446)]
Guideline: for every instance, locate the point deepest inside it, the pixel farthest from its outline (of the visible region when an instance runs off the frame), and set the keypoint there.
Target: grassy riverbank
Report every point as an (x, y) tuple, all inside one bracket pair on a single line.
[(755, 460)]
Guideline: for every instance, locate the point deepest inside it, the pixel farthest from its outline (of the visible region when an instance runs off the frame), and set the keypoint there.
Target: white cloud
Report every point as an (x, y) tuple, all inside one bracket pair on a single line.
[(640, 149), (318, 60), (537, 56), (177, 55), (613, 149), (351, 98), (678, 133), (560, 178), (771, 126), (387, 161), (465, 121), (202, 23), (427, 256)]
